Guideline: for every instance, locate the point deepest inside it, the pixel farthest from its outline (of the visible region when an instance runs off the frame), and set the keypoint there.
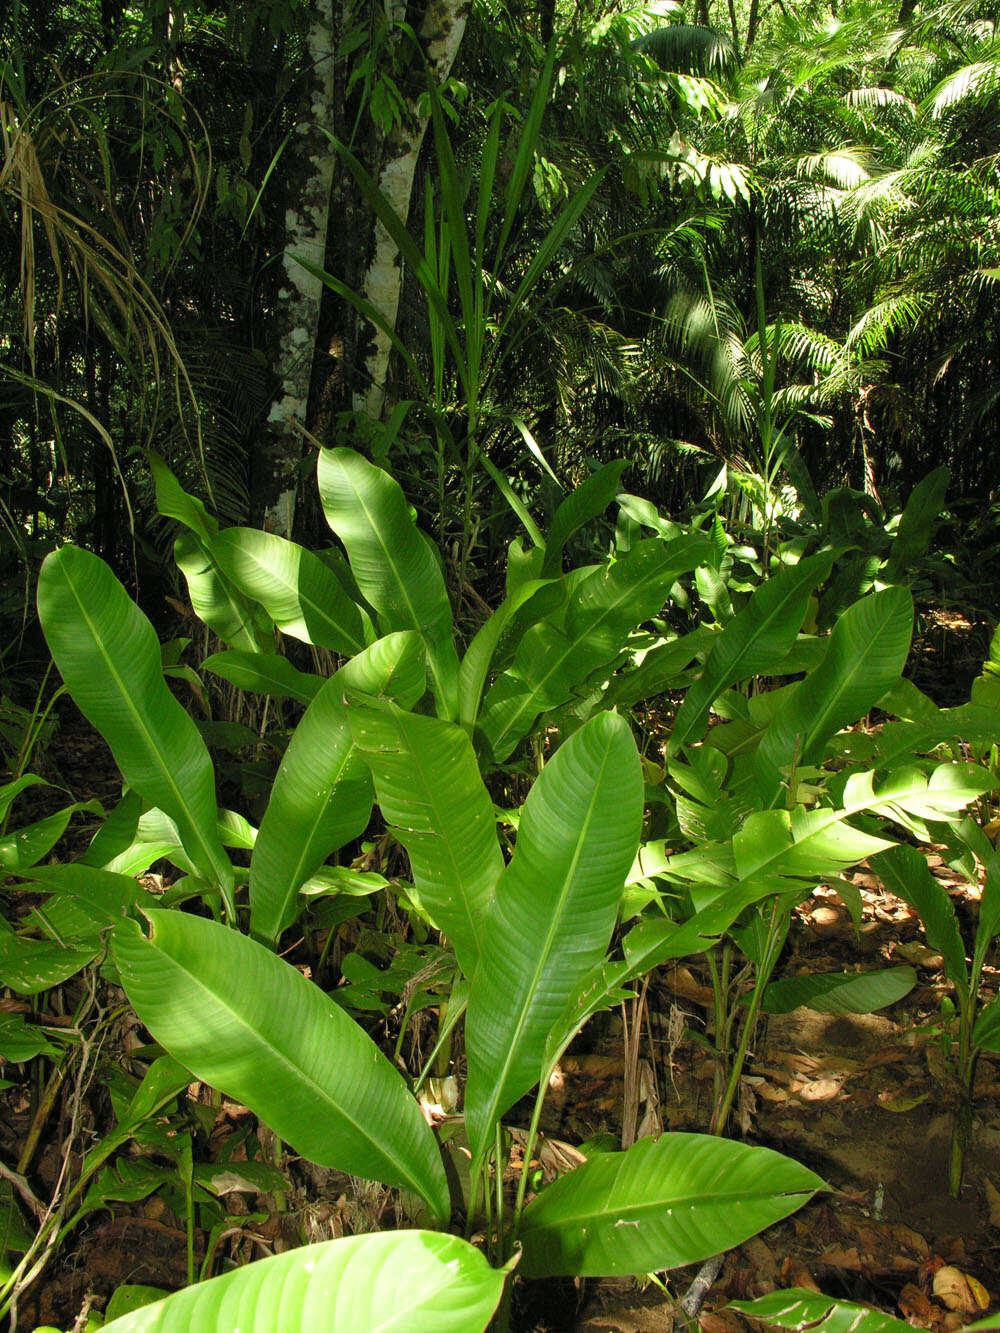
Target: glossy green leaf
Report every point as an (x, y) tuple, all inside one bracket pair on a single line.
[(109, 657), (650, 943), (32, 966), (10, 791), (174, 502), (590, 499), (215, 602), (394, 566), (797, 1308), (986, 1030), (264, 673), (600, 612), (552, 914), (917, 523), (21, 849), (866, 655), (970, 724), (429, 789), (753, 643), (107, 896), (20, 1041), (322, 794), (660, 669), (298, 591), (662, 1204), (394, 1282), (904, 872), (802, 842), (246, 1022), (480, 652), (840, 992)]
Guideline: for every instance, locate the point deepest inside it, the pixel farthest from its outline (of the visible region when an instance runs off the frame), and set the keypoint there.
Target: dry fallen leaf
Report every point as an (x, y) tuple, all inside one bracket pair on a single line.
[(913, 1304), (992, 1201), (959, 1291)]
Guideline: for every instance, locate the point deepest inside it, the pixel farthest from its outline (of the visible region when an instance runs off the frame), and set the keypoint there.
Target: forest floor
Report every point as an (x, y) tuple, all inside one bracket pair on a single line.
[(864, 1100)]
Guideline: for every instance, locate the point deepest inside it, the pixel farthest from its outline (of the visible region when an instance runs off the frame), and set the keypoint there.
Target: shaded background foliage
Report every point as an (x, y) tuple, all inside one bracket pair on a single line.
[(848, 151)]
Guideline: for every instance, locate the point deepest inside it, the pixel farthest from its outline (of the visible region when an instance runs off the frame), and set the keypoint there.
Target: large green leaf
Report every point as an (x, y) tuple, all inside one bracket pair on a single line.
[(264, 673), (217, 604), (753, 643), (660, 1205), (395, 567), (174, 502), (246, 1022), (650, 943), (299, 592), (429, 788), (600, 612), (840, 992), (917, 523), (553, 912), (865, 656), (797, 1308), (904, 872), (322, 794), (802, 842), (589, 500), (479, 654), (660, 668), (109, 657), (394, 1282)]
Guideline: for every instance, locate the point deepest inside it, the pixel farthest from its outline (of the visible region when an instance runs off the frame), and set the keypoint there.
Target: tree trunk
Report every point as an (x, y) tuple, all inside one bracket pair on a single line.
[(440, 36), (309, 162)]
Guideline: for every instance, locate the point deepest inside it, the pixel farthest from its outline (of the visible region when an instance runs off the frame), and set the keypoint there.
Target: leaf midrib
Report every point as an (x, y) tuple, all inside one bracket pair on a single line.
[(194, 824), (286, 1062), (718, 1200), (401, 585), (554, 924), (302, 598)]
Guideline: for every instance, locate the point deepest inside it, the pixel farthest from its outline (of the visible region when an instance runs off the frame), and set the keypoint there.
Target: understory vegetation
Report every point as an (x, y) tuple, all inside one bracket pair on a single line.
[(488, 498)]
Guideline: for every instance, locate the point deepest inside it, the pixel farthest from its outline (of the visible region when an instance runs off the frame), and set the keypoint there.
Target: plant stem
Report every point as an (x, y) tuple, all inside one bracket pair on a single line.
[(775, 938)]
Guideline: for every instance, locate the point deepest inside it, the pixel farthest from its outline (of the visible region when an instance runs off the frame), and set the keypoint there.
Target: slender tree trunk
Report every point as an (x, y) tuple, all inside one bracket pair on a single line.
[(440, 36), (309, 162)]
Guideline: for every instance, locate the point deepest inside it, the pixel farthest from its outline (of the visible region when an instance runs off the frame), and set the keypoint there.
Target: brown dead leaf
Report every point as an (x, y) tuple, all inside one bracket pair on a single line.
[(846, 1257), (913, 1303), (992, 1201), (681, 981), (795, 1274)]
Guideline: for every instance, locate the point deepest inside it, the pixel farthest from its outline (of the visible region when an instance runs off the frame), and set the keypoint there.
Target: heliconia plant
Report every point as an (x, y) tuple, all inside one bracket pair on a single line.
[(530, 936), (409, 722)]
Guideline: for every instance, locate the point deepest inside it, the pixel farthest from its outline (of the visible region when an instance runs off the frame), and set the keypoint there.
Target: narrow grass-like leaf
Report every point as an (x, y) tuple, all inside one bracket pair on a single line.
[(662, 1204), (246, 1022)]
